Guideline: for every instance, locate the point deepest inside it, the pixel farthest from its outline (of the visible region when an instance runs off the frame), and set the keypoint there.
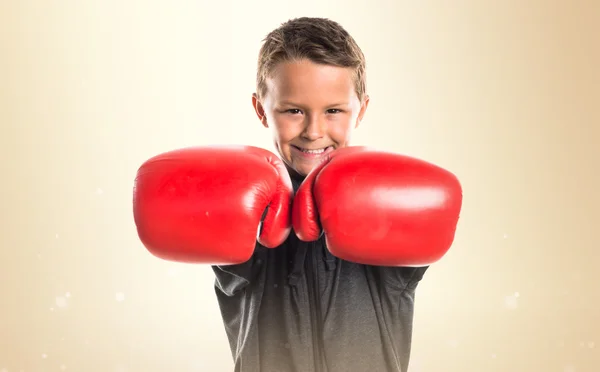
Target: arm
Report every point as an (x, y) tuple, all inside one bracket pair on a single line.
[(379, 208), (211, 205)]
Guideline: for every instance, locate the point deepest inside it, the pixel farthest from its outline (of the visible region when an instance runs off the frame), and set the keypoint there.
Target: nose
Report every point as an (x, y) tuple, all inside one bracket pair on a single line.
[(315, 128)]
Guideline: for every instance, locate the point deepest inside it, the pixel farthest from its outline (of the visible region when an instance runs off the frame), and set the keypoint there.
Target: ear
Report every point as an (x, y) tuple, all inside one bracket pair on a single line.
[(363, 110), (259, 109)]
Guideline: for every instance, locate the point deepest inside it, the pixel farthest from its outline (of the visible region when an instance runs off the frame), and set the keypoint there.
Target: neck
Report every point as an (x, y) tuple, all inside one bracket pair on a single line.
[(296, 177)]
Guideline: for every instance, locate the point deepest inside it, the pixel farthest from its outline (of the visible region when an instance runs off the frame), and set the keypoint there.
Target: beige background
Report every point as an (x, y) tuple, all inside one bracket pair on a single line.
[(503, 93)]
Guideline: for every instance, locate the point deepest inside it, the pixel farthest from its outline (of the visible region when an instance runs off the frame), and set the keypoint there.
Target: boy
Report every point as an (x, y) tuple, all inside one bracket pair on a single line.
[(311, 312), (287, 304)]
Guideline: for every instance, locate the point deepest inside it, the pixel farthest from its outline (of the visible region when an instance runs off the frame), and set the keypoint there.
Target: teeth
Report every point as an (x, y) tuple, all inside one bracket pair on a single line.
[(320, 151)]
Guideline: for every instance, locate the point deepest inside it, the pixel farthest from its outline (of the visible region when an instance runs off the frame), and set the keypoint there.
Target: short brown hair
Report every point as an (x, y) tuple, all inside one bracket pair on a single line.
[(319, 40)]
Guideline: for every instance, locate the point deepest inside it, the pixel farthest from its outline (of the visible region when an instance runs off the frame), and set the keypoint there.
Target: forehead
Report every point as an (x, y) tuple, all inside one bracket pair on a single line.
[(302, 80)]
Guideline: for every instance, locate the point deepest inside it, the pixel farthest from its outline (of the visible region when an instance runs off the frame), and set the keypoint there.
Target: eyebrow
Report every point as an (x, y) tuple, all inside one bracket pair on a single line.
[(289, 103)]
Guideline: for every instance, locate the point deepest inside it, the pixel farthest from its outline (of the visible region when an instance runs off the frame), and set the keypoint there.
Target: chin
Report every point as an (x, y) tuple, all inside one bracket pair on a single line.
[(298, 170)]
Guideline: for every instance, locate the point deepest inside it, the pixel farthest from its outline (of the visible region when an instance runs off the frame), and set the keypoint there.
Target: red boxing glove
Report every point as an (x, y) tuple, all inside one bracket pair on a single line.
[(379, 208), (205, 204)]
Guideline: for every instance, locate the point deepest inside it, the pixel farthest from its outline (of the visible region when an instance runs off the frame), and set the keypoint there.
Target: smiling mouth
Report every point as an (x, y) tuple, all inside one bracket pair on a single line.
[(313, 151)]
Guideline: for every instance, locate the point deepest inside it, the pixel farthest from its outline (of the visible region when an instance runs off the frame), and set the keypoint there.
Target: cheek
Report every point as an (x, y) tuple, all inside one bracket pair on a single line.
[(340, 128), (287, 127)]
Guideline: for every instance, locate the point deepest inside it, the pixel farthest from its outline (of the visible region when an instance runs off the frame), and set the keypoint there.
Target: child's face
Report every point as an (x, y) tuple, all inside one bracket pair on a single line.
[(311, 110)]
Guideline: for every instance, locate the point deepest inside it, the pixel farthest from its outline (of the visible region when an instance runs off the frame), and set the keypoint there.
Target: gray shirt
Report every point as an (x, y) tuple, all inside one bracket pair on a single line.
[(297, 308)]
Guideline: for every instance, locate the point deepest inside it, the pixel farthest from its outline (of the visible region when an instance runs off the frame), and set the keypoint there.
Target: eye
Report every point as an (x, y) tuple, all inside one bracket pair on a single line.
[(293, 111), (334, 111)]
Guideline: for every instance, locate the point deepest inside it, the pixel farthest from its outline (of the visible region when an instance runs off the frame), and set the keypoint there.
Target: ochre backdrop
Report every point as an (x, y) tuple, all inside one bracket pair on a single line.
[(503, 93)]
